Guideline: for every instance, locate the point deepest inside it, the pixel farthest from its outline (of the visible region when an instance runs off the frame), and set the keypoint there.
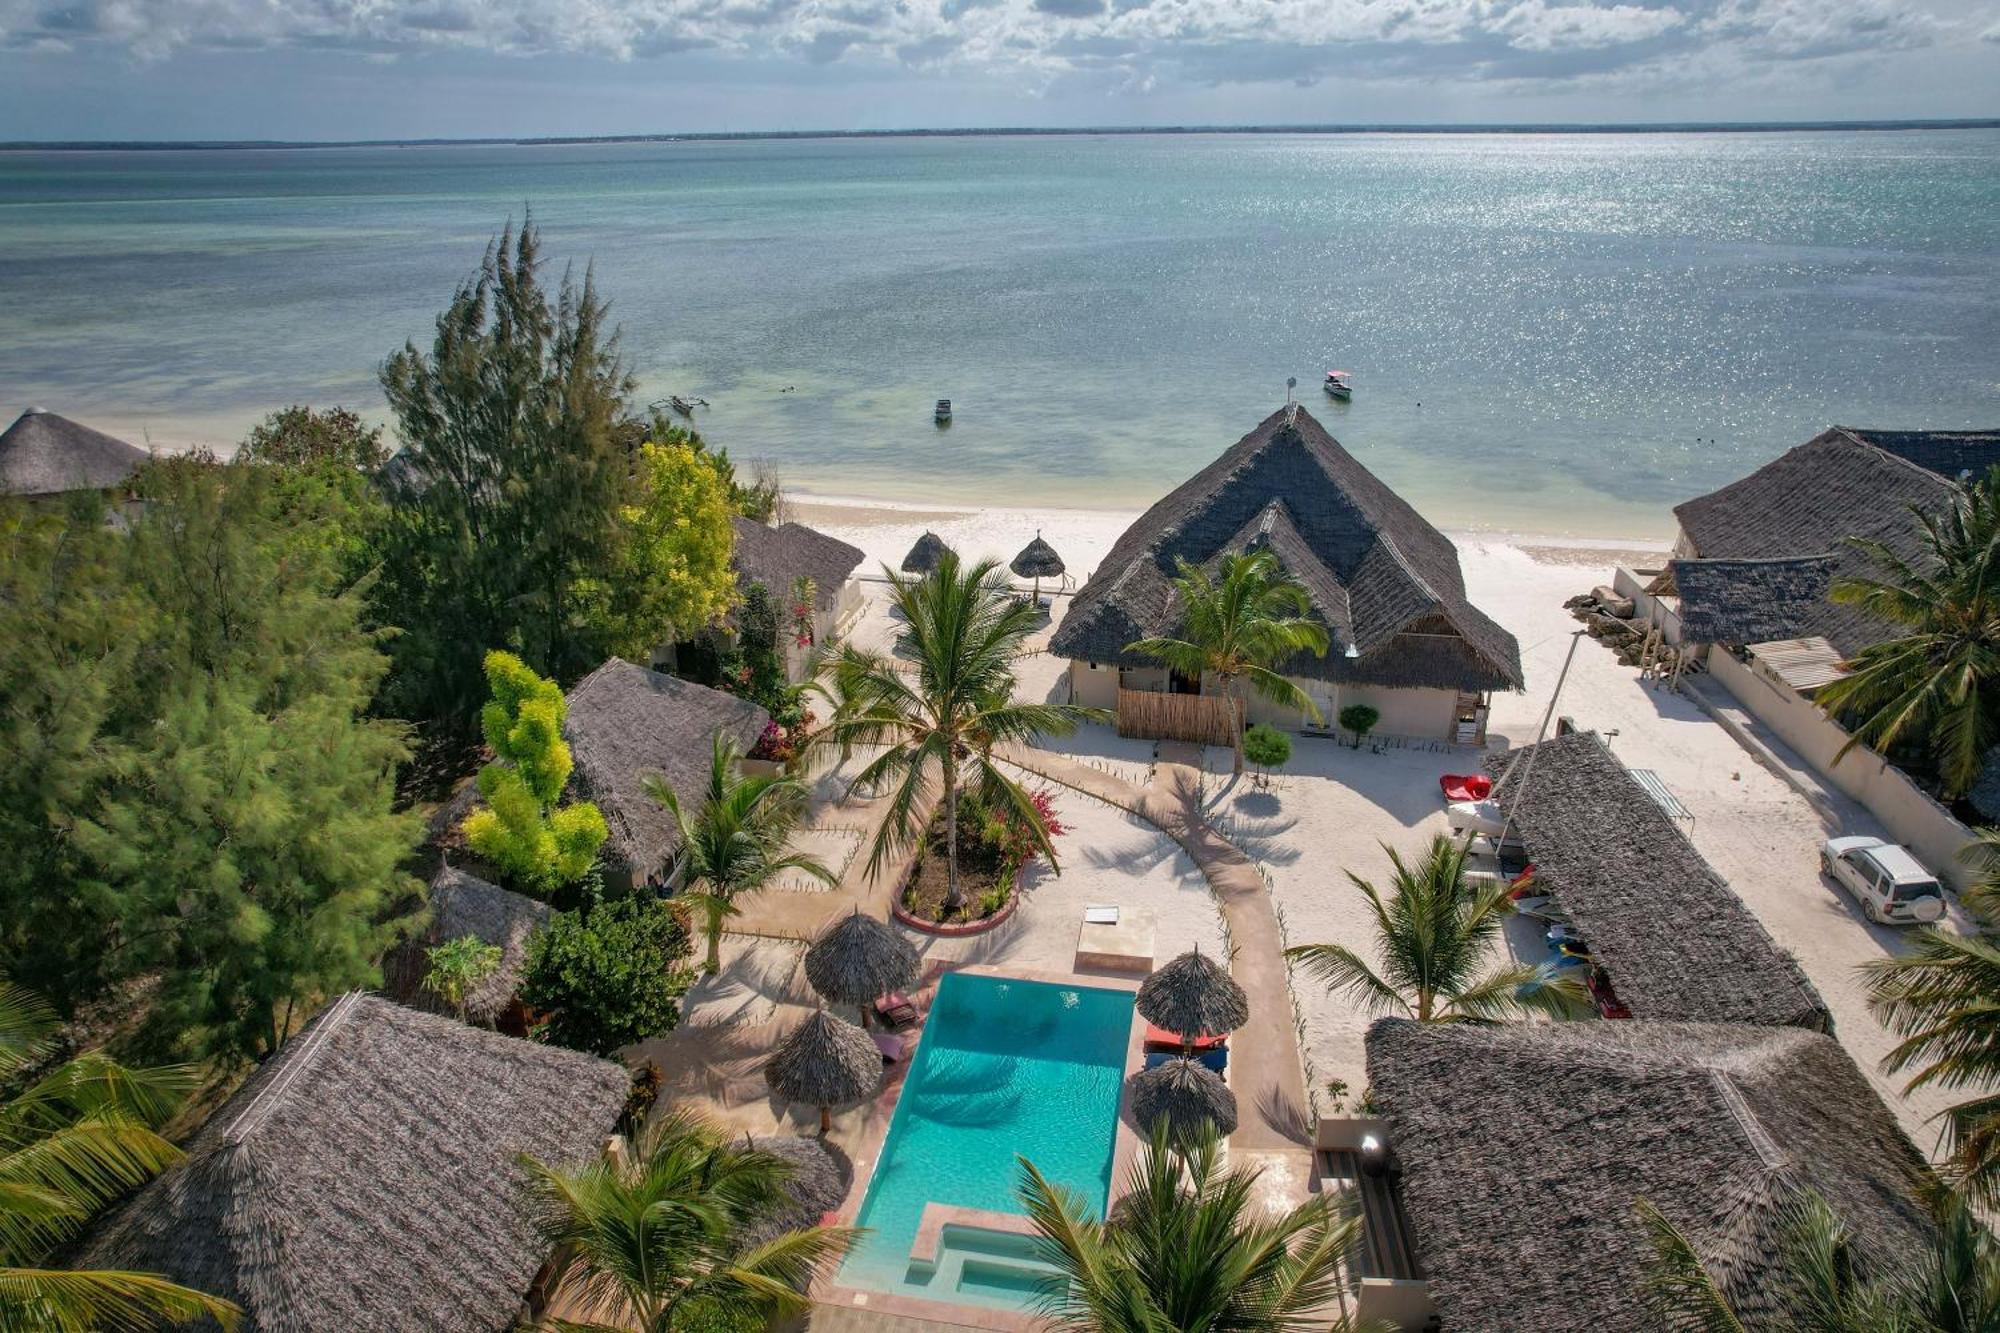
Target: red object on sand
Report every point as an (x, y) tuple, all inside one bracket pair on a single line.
[(1161, 1038), (1466, 786)]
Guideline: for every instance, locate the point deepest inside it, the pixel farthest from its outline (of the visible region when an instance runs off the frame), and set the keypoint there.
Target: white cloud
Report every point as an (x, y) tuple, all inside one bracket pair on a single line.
[(1536, 26)]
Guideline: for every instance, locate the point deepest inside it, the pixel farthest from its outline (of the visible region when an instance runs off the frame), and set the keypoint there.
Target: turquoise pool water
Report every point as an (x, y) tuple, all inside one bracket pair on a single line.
[(1005, 1067)]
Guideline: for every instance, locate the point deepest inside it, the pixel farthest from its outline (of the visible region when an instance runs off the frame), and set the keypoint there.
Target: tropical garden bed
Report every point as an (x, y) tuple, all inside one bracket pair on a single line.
[(994, 848)]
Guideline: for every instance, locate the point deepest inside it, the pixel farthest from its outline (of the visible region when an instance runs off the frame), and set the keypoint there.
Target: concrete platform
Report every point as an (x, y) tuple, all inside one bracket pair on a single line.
[(1126, 946)]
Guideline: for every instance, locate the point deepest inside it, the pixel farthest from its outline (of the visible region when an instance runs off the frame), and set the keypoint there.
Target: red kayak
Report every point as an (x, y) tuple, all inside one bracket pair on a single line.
[(1466, 786)]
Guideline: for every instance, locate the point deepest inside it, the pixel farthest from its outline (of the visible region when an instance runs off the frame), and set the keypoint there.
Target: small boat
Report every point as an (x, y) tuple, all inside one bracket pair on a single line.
[(1338, 386), (942, 413), (684, 406)]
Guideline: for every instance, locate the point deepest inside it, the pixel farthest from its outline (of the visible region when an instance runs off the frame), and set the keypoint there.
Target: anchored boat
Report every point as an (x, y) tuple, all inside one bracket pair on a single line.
[(1338, 387), (942, 413)]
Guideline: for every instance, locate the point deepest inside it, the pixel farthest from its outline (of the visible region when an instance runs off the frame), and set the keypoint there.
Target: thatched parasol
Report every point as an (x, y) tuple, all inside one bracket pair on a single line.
[(825, 1062), (1038, 560), (816, 1186), (924, 556), (859, 958), (1186, 1094), (1194, 996)]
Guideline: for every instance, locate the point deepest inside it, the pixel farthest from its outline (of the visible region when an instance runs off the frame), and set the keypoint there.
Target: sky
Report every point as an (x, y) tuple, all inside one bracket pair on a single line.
[(364, 69)]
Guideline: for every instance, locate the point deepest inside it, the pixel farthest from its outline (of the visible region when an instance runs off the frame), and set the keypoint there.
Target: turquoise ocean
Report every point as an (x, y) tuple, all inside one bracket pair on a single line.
[(1548, 333)]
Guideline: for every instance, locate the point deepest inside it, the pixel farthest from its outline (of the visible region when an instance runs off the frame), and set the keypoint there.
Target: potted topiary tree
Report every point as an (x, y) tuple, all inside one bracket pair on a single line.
[(1268, 748), (1359, 719)]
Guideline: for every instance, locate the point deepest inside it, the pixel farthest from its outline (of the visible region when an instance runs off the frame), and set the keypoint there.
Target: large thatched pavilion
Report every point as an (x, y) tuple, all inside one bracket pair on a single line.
[(43, 455), (364, 1179)]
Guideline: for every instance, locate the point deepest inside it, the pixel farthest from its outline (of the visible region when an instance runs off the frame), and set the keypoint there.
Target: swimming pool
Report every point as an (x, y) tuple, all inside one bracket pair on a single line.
[(1005, 1067)]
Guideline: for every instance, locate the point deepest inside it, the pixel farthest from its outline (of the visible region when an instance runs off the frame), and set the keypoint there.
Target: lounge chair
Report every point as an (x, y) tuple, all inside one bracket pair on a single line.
[(896, 1010), (893, 1045), (1466, 786), (1217, 1059), (1159, 1039)]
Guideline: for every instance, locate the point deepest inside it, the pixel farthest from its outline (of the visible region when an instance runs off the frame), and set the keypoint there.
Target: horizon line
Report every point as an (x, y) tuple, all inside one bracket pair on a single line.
[(1005, 131)]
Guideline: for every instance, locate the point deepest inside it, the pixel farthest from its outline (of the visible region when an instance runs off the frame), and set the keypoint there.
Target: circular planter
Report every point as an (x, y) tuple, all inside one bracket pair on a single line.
[(960, 929)]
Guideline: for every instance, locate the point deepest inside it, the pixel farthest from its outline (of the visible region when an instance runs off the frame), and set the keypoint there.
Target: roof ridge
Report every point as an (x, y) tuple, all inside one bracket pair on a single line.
[(1396, 554), (297, 1060), (1766, 1147), (1850, 432)]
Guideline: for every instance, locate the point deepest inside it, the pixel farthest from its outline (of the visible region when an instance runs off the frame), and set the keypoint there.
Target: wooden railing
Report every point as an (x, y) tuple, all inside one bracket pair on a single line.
[(1201, 718)]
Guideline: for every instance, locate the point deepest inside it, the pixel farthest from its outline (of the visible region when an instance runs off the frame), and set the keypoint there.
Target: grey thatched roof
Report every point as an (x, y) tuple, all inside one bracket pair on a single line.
[(626, 724), (1843, 483), (818, 1184), (463, 904), (1525, 1148), (364, 1178), (924, 556), (1678, 943), (1038, 560), (1752, 601), (1381, 578), (46, 454), (858, 958), (777, 556), (825, 1061), (1195, 996), (1186, 1094)]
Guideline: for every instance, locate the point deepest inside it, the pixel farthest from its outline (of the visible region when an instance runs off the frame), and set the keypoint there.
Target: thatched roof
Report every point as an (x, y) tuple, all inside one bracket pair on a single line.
[(1525, 1148), (364, 1178), (818, 1184), (924, 556), (1678, 943), (778, 556), (463, 904), (1843, 483), (1195, 996), (1186, 1094), (858, 958), (1038, 560), (1381, 578), (626, 724), (46, 454), (1752, 601), (825, 1061)]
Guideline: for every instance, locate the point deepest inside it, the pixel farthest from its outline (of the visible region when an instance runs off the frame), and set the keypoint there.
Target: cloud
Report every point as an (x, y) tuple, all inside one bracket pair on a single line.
[(1073, 9), (1536, 26)]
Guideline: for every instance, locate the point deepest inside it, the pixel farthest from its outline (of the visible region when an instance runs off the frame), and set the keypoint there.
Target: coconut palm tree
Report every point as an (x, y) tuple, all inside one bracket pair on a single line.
[(1823, 1282), (941, 721), (1939, 683), (71, 1142), (1188, 1247), (1434, 933), (735, 840), (661, 1239), (1236, 628)]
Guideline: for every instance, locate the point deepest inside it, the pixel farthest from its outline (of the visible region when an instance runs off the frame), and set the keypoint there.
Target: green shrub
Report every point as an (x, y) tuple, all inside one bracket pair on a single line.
[(608, 974), (1267, 747), (1359, 719)]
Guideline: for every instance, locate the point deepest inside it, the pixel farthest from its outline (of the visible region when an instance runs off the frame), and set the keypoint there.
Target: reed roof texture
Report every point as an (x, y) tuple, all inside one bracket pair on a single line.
[(1195, 996), (364, 1178), (46, 454), (777, 556), (925, 554), (1381, 578), (1038, 560), (463, 904), (859, 958), (1678, 943), (1186, 1095), (817, 1185), (1752, 601), (1845, 482), (626, 724), (825, 1061), (1525, 1149)]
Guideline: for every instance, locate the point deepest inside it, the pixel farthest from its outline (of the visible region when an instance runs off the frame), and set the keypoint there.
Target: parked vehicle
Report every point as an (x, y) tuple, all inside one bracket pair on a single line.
[(1891, 885)]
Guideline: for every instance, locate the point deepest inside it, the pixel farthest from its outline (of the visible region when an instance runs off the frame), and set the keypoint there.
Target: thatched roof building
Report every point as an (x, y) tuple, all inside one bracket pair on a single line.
[(1845, 482), (1752, 601), (364, 1178), (626, 724), (777, 556), (45, 454), (1678, 943), (1525, 1149), (1383, 580), (925, 554), (463, 904)]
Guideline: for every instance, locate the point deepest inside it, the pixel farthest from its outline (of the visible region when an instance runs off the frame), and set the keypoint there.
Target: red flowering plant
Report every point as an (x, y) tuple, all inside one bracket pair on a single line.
[(804, 593), (1013, 837)]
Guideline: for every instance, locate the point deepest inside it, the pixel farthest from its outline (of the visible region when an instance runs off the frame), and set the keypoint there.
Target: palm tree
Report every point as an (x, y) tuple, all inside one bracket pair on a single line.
[(1942, 997), (1822, 1281), (1237, 628), (941, 721), (1434, 934), (72, 1142), (1188, 1247), (661, 1239), (735, 842), (1939, 683)]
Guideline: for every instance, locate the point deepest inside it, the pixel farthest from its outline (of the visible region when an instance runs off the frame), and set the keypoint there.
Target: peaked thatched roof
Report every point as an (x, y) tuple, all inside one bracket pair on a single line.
[(1186, 1094), (46, 454), (825, 1061), (463, 904), (1752, 601), (1843, 483), (1381, 578), (924, 556), (1038, 560), (1525, 1148), (364, 1178), (626, 724), (818, 1184), (1195, 996), (778, 556), (858, 958), (1678, 943)]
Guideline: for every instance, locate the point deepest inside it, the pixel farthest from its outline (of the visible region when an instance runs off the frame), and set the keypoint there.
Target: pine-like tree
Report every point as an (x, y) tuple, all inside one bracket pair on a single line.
[(535, 842)]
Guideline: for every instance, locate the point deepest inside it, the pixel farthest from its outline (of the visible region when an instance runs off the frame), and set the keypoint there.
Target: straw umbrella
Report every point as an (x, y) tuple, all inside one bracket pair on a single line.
[(1038, 560), (859, 958), (1184, 1093), (825, 1062), (817, 1185), (924, 556), (1195, 997)]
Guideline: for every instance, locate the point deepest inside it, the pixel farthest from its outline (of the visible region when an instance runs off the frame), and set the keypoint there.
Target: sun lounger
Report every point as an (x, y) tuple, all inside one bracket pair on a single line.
[(1159, 1039), (896, 1010), (1217, 1059), (892, 1045), (1466, 786)]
